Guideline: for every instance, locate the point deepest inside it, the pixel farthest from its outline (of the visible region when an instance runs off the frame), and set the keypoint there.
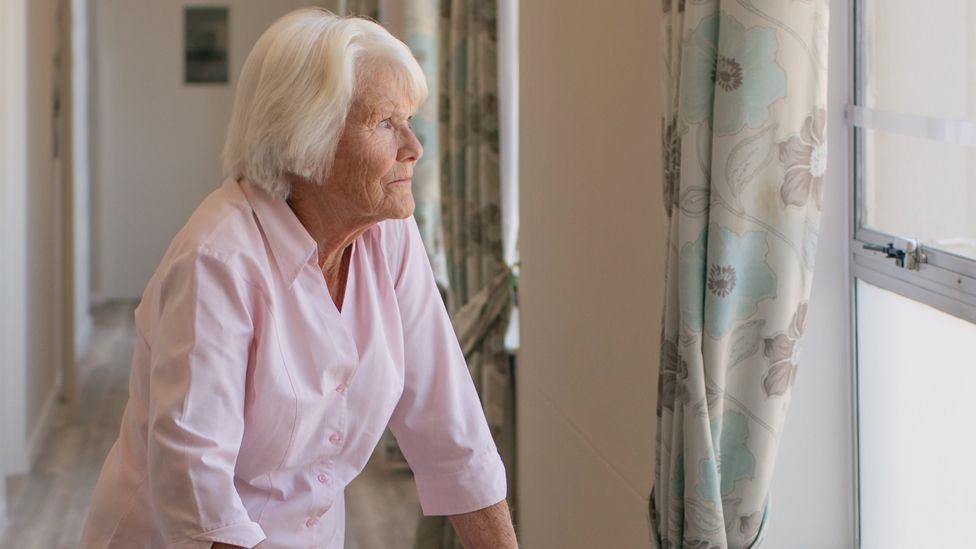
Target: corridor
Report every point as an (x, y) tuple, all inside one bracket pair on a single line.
[(47, 507)]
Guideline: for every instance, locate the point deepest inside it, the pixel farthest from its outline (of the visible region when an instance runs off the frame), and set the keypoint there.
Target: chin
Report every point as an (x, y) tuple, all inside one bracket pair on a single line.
[(397, 213), (405, 212), (405, 209)]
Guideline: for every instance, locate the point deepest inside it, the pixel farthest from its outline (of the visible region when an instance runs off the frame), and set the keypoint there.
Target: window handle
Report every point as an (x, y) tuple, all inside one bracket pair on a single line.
[(890, 251), (912, 252)]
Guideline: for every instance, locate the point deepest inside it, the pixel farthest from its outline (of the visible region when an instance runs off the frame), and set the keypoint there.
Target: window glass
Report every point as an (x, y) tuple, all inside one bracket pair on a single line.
[(916, 441), (919, 60)]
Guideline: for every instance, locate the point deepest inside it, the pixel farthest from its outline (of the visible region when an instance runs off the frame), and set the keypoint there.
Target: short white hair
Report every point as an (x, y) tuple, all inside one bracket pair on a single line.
[(295, 92)]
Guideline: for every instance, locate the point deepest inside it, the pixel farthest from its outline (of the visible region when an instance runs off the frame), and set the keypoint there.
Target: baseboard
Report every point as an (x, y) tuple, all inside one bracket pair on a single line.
[(35, 443), (20, 463), (3, 508)]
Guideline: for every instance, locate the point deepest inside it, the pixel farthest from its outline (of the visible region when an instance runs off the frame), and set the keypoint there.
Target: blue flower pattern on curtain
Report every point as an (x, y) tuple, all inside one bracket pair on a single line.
[(744, 140)]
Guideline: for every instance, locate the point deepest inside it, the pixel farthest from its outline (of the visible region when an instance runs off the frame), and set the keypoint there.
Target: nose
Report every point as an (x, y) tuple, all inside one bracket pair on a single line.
[(410, 148)]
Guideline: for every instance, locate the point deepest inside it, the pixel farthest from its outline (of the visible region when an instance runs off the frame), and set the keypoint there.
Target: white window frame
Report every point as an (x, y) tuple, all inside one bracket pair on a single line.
[(945, 281)]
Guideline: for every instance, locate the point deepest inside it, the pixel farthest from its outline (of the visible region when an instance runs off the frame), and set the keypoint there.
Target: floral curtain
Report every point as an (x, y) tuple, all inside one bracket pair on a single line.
[(479, 288), (744, 161), (421, 21), (470, 187), (363, 8)]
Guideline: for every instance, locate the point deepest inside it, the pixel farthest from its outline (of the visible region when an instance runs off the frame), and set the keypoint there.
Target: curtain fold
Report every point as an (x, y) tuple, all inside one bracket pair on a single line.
[(470, 184), (479, 283), (744, 139)]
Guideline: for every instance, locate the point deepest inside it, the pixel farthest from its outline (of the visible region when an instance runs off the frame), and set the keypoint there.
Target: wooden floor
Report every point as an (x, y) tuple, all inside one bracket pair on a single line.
[(47, 508)]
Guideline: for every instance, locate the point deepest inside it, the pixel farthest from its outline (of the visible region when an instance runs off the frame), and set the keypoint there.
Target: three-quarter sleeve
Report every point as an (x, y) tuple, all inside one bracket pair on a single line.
[(438, 422), (199, 338)]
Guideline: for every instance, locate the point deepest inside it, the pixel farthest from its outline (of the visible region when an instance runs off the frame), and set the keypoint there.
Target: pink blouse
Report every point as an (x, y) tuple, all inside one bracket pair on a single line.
[(253, 401)]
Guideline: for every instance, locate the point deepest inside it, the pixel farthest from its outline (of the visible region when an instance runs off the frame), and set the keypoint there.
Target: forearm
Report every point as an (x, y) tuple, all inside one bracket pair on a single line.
[(488, 528)]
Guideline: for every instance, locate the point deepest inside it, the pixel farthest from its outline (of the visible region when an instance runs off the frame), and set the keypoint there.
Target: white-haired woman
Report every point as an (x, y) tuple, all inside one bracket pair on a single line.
[(294, 317)]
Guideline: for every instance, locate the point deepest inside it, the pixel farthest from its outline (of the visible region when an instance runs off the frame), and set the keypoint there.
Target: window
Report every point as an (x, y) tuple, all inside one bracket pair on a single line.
[(913, 118)]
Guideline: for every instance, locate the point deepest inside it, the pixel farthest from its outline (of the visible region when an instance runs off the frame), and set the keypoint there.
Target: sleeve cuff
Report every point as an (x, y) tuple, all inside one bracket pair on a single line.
[(481, 484), (242, 534)]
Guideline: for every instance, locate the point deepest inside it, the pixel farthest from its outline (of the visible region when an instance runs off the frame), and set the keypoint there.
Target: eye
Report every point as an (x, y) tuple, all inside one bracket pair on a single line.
[(388, 124)]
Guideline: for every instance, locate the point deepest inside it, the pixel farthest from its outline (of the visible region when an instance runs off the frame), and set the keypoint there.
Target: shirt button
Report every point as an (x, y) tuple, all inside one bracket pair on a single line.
[(341, 388), (310, 522), (336, 438), (323, 478)]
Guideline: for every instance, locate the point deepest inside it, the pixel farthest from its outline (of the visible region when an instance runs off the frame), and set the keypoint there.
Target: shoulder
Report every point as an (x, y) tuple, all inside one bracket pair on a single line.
[(221, 232), (396, 236), (223, 222), (392, 232)]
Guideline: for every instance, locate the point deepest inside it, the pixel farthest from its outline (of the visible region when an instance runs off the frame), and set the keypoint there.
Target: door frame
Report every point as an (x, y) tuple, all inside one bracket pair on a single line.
[(13, 245), (65, 205)]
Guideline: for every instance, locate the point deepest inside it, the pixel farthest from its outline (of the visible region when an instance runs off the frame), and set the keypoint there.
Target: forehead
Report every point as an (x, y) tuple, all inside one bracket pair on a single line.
[(383, 87)]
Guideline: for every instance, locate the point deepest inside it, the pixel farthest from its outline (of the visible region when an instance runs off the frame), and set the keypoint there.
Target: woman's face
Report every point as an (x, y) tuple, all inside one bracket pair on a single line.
[(377, 150)]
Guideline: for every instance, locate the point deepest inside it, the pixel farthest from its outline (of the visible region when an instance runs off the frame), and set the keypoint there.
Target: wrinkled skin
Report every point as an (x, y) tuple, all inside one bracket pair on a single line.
[(377, 147), (371, 176)]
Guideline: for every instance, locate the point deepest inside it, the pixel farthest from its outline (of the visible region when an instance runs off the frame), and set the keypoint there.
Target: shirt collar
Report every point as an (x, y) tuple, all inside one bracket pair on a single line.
[(290, 244)]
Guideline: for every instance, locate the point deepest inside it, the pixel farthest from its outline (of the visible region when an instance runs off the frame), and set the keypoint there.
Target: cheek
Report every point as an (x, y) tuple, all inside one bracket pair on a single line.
[(368, 161), (372, 164), (379, 162), (366, 155), (386, 156)]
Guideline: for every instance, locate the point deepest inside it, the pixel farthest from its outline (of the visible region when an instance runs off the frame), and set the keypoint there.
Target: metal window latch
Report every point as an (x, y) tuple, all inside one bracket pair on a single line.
[(910, 257)]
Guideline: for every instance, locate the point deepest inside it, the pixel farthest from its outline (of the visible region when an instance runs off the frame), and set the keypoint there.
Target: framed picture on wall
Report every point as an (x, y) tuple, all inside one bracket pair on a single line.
[(205, 38)]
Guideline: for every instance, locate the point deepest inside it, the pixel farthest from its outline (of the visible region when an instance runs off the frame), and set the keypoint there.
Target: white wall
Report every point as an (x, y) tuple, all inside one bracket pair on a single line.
[(157, 141), (42, 200), (592, 233), (27, 216)]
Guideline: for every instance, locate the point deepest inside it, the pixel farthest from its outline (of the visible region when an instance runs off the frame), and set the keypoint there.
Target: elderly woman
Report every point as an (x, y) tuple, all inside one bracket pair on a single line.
[(294, 317)]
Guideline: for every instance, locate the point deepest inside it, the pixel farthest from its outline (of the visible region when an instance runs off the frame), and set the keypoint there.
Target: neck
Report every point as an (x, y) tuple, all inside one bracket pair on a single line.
[(332, 224)]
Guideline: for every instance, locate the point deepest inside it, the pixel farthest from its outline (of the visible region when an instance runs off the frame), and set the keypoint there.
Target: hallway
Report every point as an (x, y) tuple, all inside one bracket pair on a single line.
[(47, 508)]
